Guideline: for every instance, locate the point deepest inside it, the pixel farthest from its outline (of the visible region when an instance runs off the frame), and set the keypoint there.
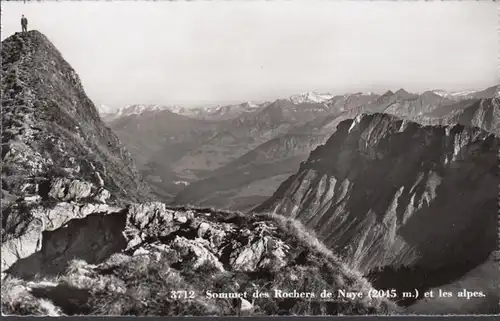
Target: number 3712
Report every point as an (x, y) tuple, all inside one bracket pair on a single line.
[(182, 294)]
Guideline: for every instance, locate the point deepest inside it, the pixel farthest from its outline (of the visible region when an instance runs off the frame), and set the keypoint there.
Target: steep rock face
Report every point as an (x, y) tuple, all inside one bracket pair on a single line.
[(388, 192), (54, 148), (52, 129), (25, 226)]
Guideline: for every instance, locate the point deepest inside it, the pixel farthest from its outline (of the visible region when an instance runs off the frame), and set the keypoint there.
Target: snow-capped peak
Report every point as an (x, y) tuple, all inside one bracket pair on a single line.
[(242, 107), (456, 94), (207, 111), (140, 109), (250, 105), (310, 97), (361, 93)]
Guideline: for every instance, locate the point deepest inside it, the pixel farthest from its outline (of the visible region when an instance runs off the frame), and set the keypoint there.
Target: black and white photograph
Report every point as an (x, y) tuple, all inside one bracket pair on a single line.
[(250, 158)]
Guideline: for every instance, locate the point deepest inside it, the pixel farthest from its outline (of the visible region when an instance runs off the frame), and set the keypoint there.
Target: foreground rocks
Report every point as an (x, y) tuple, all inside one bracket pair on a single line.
[(196, 249)]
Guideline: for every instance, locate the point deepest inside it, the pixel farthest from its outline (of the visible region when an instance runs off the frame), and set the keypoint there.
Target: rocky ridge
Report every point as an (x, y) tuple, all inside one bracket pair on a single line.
[(372, 188), (51, 129)]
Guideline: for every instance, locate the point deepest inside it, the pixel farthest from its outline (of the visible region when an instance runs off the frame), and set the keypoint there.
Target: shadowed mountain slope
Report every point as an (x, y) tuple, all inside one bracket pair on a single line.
[(412, 202), (378, 170), (157, 139)]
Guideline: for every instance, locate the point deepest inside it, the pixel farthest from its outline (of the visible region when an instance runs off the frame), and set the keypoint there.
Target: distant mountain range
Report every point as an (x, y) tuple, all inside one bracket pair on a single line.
[(212, 156), (229, 111), (219, 112), (208, 113)]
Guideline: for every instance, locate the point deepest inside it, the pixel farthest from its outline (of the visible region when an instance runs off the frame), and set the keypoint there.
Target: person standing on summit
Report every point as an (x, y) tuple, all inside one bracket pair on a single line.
[(24, 24)]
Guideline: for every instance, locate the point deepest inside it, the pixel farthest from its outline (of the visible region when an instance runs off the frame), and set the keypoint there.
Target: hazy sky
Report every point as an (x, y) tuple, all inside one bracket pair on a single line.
[(201, 52)]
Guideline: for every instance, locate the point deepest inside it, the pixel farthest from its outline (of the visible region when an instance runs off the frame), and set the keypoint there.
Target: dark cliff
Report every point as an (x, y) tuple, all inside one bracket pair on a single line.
[(391, 194)]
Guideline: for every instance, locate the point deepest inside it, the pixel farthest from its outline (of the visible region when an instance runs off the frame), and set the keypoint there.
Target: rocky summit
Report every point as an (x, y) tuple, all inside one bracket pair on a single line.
[(53, 142), (81, 233)]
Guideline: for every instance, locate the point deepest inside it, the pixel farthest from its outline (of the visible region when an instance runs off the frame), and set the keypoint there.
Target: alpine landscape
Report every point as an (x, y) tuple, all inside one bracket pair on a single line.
[(354, 203)]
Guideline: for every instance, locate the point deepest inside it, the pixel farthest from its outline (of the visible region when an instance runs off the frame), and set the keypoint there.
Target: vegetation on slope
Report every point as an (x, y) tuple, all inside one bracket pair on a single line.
[(140, 281)]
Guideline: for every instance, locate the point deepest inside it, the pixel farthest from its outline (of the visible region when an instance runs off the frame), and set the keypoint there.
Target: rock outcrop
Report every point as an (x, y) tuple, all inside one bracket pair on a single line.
[(251, 249), (145, 228)]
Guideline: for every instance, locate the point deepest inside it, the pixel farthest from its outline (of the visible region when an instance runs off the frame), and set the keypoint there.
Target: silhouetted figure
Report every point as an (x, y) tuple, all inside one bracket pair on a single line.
[(24, 24)]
